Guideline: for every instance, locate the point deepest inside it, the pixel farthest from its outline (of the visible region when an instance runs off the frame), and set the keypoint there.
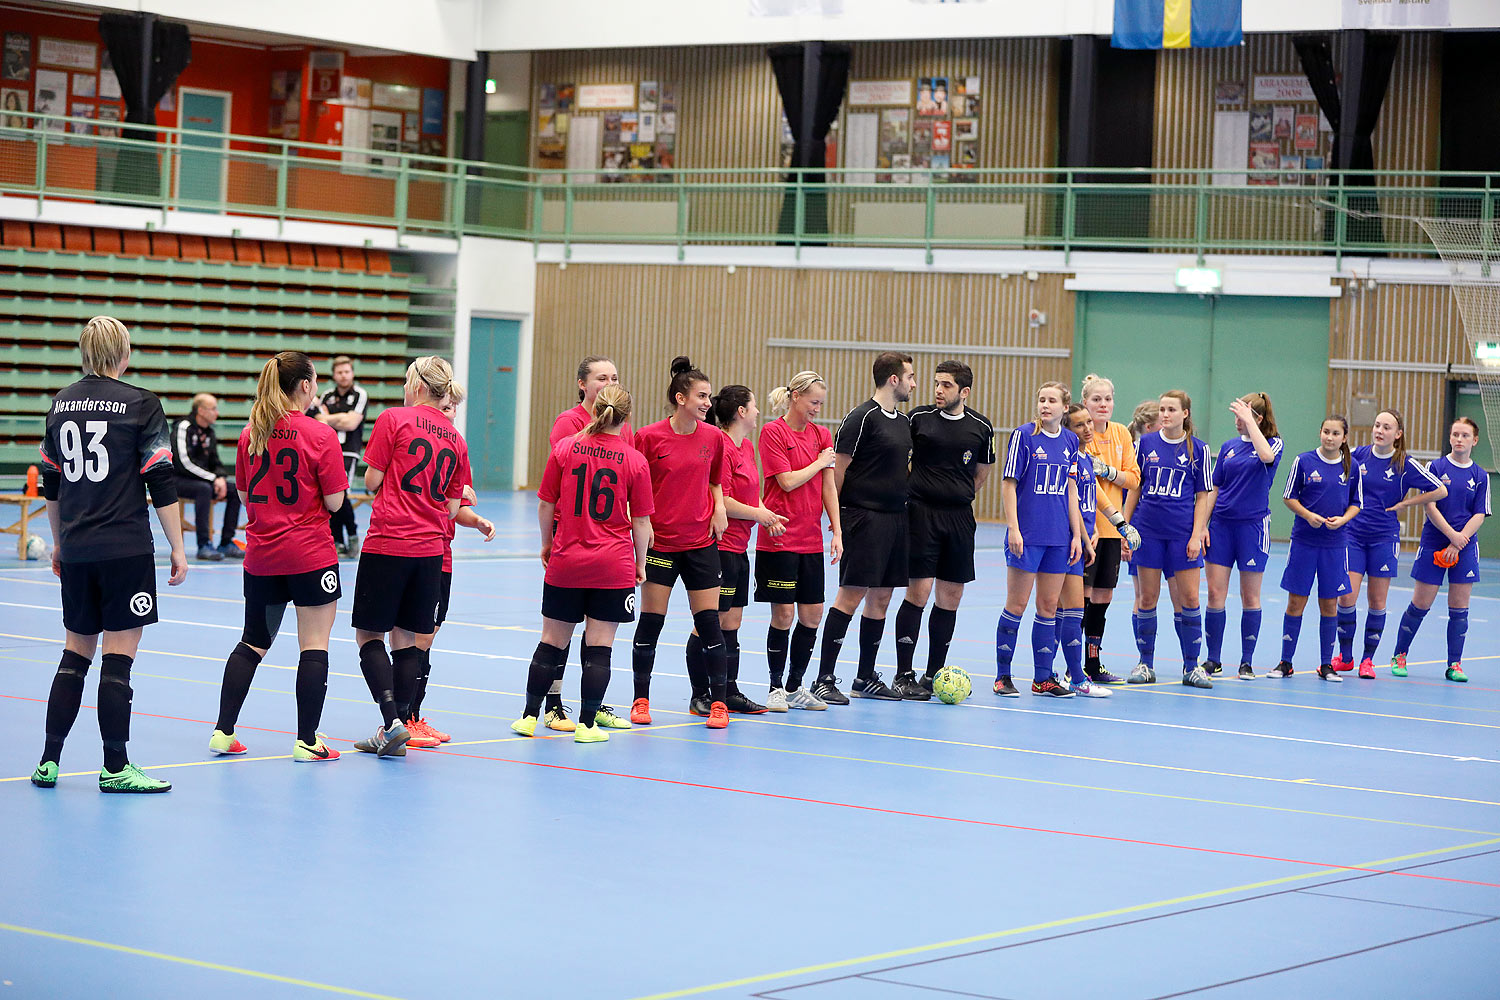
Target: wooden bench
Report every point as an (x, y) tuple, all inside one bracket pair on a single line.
[(30, 507)]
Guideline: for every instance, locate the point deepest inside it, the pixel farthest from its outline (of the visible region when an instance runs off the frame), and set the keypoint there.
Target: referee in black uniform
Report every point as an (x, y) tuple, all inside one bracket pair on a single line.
[(952, 453), (871, 452), (105, 443), (343, 409)]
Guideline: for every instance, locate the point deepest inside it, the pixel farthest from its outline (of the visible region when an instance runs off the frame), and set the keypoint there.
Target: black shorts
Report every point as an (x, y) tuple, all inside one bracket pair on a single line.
[(788, 577), (699, 568), (109, 595), (941, 542), (445, 589), (875, 548), (574, 604), (266, 598), (397, 592), (1105, 571), (734, 580)]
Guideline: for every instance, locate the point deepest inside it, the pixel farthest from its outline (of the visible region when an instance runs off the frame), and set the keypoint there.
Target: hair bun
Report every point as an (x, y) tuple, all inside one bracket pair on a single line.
[(681, 364)]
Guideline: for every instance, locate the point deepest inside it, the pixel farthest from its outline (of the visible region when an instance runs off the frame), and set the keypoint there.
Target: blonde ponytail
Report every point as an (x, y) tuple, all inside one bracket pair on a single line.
[(431, 373), (611, 409), (780, 398), (273, 399)]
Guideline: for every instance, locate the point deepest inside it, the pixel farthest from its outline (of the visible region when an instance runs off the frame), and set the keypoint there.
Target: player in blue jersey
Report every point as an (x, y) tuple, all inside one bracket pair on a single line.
[(1239, 529), (1045, 538), (1171, 512), (1452, 523), (1388, 478), (1092, 502), (1323, 490)]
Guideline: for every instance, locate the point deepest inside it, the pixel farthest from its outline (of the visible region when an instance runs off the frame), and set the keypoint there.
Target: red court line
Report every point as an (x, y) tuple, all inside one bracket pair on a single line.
[(886, 812)]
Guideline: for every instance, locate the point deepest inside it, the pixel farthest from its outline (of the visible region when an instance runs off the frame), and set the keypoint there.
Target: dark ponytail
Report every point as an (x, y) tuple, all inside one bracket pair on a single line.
[(727, 402), (683, 377)]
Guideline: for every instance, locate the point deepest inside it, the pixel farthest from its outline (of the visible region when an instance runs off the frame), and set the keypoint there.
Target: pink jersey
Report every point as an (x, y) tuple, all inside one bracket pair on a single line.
[(598, 484), (286, 526), (683, 467), (422, 456), (743, 485), (785, 450)]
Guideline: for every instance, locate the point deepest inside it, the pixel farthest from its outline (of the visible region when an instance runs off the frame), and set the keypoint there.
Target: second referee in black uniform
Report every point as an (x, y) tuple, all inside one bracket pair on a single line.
[(952, 453), (343, 409), (871, 452)]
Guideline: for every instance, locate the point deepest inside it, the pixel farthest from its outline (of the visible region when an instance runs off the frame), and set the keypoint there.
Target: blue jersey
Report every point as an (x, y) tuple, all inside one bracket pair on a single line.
[(1088, 491), (1323, 487), (1383, 486), (1042, 465), (1171, 479), (1243, 480), (1468, 494)]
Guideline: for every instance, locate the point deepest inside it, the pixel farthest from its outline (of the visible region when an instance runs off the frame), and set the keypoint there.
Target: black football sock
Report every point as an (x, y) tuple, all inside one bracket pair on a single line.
[(380, 678), (732, 659), (697, 668), (714, 663), (312, 689), (940, 626), (643, 651), (544, 663), (554, 694), (835, 627), (870, 632), (803, 641), (776, 647), (239, 673), (114, 708), (406, 669), (426, 672), (63, 702), (908, 629), (595, 681)]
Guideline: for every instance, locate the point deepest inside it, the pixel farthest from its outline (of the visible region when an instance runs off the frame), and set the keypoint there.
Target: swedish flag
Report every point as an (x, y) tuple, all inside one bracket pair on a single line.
[(1177, 24)]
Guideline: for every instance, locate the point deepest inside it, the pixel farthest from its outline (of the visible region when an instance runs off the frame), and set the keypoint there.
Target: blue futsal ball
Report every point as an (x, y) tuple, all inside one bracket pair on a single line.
[(952, 685)]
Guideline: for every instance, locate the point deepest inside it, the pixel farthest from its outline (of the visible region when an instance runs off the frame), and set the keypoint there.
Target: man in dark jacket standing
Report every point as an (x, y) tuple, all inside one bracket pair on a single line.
[(201, 478)]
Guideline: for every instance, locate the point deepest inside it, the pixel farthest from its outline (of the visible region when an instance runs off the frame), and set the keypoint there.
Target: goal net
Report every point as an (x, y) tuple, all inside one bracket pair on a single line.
[(1471, 250)]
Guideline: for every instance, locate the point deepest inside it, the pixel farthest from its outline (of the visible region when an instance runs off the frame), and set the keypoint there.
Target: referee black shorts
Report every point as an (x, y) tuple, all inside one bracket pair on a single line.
[(266, 598), (942, 542), (788, 577), (1104, 572), (109, 595), (397, 592), (875, 548)]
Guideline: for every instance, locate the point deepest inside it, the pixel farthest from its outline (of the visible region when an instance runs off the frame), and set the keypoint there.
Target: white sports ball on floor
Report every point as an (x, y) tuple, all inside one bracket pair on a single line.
[(36, 548)]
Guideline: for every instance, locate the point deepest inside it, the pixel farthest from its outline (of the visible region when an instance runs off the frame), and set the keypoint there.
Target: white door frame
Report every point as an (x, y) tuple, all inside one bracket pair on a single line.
[(228, 117)]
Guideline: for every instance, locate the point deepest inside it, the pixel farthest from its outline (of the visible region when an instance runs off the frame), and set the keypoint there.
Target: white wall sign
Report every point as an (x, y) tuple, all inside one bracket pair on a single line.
[(389, 95), (604, 96), (73, 55), (1396, 14), (1231, 147), (880, 93), (1284, 88)]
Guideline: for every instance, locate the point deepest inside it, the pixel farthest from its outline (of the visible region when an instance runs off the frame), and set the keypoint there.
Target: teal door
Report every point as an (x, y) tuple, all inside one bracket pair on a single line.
[(1214, 348), (494, 353), (200, 165)]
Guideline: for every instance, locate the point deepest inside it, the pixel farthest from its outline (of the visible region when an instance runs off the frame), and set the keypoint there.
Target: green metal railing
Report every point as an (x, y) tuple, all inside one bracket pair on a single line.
[(1183, 211)]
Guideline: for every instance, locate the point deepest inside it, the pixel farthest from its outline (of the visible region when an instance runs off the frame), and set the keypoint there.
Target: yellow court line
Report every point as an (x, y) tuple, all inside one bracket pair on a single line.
[(1085, 788), (195, 962), (1153, 689), (1306, 782), (845, 963)]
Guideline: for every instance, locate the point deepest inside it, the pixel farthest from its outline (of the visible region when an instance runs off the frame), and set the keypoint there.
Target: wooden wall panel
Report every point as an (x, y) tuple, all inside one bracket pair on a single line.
[(643, 315)]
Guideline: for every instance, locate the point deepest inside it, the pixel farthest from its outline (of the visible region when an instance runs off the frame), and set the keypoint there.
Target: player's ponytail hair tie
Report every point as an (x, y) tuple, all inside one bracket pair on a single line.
[(684, 376), (611, 409), (279, 378), (432, 374), (780, 398)]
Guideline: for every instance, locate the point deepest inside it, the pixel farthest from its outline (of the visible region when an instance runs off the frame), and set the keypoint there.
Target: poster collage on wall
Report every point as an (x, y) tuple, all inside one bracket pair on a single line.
[(1286, 133), (55, 76), (937, 129), (636, 127)]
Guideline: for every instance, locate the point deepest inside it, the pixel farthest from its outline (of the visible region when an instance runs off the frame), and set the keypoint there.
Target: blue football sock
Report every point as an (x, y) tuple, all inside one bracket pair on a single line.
[(1249, 633), (1144, 623), (1213, 632), (1191, 638), (1347, 620), (1290, 629), (1007, 633), (1043, 646), (1374, 629), (1070, 637), (1407, 630), (1328, 634), (1458, 628)]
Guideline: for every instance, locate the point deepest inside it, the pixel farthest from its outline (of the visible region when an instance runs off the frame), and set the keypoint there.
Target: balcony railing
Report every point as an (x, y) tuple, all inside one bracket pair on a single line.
[(1183, 211)]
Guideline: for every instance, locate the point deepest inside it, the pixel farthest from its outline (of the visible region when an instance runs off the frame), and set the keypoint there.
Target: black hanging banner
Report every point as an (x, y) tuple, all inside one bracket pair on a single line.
[(148, 56), (811, 79)]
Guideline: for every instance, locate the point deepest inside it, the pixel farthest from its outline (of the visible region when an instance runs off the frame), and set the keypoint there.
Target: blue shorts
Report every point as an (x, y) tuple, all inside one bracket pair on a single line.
[(1039, 558), (1466, 570), (1374, 558), (1245, 545), (1328, 566), (1077, 568), (1167, 555)]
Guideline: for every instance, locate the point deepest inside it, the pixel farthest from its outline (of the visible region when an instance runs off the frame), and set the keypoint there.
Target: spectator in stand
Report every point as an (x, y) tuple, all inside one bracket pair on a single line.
[(343, 409), (201, 478)]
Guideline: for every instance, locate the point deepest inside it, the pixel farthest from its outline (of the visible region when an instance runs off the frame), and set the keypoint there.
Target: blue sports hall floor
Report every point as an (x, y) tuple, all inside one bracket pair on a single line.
[(1286, 839)]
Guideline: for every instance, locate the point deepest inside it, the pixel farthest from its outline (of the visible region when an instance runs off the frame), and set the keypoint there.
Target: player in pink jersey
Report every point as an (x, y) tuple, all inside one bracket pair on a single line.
[(688, 462), (735, 411), (291, 476), (416, 464), (597, 490), (423, 734), (796, 457)]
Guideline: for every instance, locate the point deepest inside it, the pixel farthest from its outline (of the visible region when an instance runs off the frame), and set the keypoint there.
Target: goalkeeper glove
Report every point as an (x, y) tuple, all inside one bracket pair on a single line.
[(1104, 470)]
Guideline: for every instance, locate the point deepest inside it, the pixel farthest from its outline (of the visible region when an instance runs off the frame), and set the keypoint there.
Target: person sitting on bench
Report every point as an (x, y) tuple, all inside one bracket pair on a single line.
[(201, 479)]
